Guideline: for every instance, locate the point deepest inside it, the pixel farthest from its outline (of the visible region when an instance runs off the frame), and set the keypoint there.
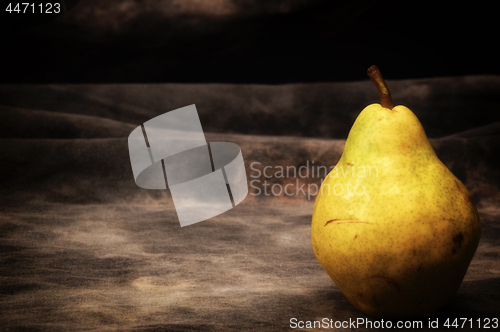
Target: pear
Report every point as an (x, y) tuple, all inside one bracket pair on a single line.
[(392, 226)]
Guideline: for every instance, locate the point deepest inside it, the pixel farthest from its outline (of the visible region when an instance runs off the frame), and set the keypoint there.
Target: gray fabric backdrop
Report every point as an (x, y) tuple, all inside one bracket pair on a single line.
[(82, 247)]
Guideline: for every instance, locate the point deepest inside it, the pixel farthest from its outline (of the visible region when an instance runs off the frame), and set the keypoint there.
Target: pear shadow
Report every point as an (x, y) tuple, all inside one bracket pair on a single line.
[(475, 299)]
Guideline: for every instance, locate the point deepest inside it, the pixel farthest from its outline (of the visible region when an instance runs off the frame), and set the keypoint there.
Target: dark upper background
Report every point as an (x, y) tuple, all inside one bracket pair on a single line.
[(252, 41)]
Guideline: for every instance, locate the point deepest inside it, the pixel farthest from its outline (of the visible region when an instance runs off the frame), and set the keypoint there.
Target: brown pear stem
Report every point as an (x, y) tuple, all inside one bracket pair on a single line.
[(377, 79)]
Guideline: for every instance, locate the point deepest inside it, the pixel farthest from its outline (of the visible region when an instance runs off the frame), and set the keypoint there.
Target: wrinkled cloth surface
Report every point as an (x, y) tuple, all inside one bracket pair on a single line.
[(82, 247)]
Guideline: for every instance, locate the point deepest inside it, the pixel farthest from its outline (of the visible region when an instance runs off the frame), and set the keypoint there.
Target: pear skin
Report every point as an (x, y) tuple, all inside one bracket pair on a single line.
[(392, 226)]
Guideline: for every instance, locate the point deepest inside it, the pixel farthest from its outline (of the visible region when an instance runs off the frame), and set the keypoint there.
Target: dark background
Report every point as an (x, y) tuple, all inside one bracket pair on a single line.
[(250, 41)]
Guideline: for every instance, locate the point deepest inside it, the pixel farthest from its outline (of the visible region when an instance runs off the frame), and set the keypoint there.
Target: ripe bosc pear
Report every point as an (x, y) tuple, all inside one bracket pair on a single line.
[(392, 226)]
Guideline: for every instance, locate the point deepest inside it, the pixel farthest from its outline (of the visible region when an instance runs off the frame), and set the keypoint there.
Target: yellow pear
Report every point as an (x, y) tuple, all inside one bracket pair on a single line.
[(392, 226)]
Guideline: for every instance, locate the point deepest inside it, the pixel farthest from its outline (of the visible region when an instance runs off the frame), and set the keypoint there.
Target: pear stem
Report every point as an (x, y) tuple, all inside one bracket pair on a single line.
[(377, 79)]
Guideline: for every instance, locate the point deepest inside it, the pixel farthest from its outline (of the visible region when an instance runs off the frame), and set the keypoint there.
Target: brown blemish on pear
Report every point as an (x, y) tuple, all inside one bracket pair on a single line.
[(457, 243), (346, 221), (388, 280)]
